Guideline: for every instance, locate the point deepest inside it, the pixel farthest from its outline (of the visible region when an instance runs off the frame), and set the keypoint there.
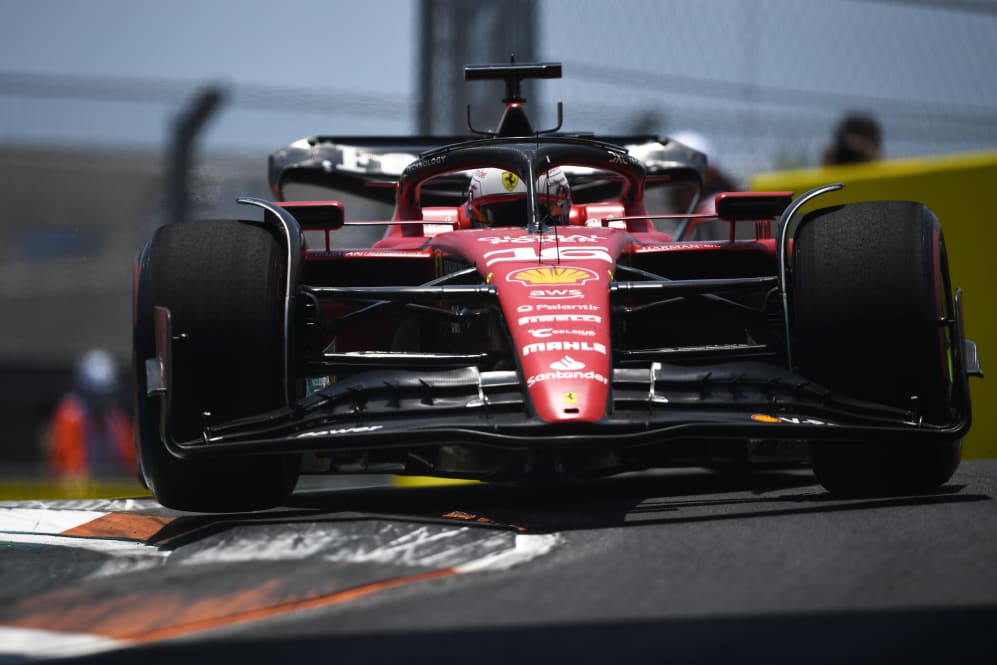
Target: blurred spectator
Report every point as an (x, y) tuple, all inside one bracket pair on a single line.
[(857, 138), (90, 435)]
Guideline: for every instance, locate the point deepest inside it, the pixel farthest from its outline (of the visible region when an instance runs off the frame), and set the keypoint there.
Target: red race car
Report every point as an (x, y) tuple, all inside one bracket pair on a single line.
[(540, 305)]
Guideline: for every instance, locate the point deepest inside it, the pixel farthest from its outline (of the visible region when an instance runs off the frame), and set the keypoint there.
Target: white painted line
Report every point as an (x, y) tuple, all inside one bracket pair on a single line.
[(40, 520), (461, 548), (527, 548), (36, 643), (407, 549), (105, 545)]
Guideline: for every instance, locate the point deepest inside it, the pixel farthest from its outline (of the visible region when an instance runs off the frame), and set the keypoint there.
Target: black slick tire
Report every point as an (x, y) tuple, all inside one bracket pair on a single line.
[(870, 288), (222, 282)]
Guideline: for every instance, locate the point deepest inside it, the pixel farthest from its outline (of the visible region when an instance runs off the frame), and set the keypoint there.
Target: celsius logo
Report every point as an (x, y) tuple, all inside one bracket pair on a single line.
[(560, 332), (567, 364), (555, 275)]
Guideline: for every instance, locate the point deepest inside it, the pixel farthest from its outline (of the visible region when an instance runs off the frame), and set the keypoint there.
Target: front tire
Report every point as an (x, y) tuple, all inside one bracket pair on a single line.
[(870, 292), (222, 282)]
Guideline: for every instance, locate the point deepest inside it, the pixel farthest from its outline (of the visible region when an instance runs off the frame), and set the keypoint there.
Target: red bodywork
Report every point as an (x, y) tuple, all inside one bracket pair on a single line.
[(553, 288)]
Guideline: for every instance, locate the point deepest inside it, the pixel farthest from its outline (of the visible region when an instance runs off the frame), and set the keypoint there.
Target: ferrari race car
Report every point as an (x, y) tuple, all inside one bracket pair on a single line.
[(539, 305)]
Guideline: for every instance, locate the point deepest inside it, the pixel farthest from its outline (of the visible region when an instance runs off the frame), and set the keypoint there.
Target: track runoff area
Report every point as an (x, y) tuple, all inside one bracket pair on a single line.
[(671, 565)]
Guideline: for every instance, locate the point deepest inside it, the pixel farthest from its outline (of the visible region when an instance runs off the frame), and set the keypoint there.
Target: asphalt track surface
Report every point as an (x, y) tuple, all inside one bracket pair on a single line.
[(683, 566)]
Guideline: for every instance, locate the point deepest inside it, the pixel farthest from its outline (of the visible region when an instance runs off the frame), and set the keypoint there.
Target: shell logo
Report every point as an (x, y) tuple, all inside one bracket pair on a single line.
[(554, 275)]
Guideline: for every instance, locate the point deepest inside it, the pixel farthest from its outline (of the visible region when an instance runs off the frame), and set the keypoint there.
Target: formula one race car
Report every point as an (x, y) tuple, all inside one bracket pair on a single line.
[(540, 305)]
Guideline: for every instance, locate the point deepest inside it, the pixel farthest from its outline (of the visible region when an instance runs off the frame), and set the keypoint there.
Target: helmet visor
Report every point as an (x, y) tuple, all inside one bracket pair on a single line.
[(504, 213)]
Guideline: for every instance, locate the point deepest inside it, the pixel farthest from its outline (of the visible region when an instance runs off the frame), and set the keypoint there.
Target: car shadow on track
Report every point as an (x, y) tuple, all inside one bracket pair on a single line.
[(941, 635), (675, 496)]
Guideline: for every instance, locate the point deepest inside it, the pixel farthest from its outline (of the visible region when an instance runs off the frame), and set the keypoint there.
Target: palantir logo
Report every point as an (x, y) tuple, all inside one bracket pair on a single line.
[(567, 364)]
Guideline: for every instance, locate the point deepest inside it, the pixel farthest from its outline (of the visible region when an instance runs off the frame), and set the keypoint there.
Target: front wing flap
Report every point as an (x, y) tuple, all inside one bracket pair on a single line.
[(650, 407)]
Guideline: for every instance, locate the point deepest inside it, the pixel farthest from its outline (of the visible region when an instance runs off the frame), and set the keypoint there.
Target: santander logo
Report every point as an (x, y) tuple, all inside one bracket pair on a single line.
[(567, 364)]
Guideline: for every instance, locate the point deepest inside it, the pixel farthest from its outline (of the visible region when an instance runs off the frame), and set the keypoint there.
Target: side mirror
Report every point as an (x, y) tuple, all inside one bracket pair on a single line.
[(316, 215), (743, 206)]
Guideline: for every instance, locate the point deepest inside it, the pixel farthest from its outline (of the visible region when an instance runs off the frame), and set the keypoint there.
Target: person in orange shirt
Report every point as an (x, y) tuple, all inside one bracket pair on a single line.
[(89, 434)]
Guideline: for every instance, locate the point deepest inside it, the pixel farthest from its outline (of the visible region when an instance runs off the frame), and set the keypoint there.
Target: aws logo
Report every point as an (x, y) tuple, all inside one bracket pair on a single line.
[(556, 294), (554, 275)]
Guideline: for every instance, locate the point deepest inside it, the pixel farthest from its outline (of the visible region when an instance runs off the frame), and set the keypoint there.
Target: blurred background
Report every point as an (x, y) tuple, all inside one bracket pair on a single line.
[(91, 94)]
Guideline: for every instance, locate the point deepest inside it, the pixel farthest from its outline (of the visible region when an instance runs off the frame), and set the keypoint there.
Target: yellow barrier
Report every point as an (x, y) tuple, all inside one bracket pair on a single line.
[(429, 481), (43, 489), (955, 188)]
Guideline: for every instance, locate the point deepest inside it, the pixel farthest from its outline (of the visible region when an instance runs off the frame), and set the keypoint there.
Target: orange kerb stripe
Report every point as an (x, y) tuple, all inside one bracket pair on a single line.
[(256, 614), (121, 525), (468, 517)]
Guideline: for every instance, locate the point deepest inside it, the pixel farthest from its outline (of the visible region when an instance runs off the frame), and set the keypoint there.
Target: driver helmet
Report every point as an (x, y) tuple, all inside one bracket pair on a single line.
[(498, 198)]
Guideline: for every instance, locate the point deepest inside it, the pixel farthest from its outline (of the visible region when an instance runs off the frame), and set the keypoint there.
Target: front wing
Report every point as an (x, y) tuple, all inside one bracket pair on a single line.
[(651, 407)]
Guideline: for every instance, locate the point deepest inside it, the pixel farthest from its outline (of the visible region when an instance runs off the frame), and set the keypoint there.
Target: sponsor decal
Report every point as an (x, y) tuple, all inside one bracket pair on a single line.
[(556, 294), (560, 318), (530, 239), (571, 398), (540, 347), (509, 181), (622, 158), (544, 333), (549, 253), (378, 253), (358, 160), (342, 430), (425, 163), (552, 275), (680, 247), (789, 420), (524, 308), (567, 364), (557, 374), (567, 308)]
